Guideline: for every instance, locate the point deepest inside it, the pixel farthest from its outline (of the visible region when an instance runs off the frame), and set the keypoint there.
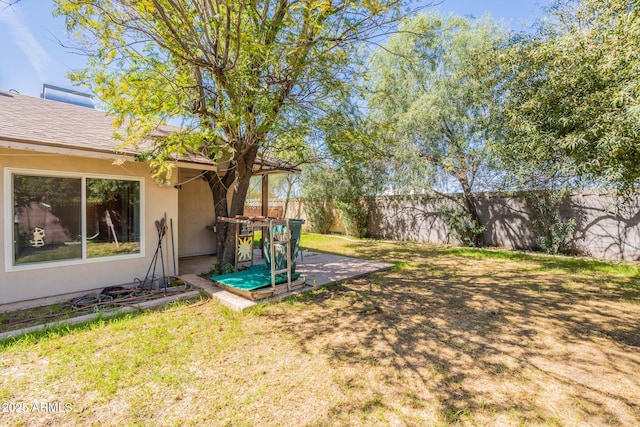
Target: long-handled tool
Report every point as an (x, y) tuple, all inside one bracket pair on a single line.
[(173, 248), (161, 229)]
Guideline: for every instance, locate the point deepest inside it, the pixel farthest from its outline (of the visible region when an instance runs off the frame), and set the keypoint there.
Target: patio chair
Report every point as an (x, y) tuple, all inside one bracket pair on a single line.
[(281, 246)]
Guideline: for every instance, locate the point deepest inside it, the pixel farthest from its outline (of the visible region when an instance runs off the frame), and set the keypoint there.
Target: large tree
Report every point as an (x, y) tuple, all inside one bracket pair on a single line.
[(241, 73), (572, 94), (434, 88)]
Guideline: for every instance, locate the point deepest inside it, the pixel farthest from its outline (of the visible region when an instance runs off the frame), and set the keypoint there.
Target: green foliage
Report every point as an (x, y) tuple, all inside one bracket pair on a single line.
[(329, 189), (572, 93), (281, 186), (553, 232), (318, 186), (463, 226), (355, 215), (50, 190), (238, 72), (355, 147), (350, 201), (229, 268), (434, 93), (102, 191), (241, 75)]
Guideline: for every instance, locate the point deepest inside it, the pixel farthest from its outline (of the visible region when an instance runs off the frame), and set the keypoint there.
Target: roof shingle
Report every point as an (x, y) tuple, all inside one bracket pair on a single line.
[(28, 120)]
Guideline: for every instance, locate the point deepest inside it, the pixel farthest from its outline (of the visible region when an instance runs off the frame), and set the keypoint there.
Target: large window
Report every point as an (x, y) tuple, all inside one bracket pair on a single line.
[(58, 218), (47, 218), (113, 217)]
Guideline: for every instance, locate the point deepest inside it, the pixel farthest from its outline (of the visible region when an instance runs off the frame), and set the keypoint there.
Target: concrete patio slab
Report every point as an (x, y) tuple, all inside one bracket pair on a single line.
[(319, 269), (227, 298), (322, 269)]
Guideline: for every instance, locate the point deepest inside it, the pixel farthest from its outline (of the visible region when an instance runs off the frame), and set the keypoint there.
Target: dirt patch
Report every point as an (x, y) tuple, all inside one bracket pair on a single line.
[(108, 299)]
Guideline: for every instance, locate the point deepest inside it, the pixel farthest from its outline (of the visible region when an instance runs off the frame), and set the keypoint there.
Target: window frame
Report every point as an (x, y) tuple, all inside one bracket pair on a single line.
[(9, 199)]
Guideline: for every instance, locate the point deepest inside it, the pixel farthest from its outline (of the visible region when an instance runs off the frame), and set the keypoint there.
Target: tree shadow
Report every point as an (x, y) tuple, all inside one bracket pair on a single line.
[(408, 219), (605, 227), (464, 335), (610, 229)]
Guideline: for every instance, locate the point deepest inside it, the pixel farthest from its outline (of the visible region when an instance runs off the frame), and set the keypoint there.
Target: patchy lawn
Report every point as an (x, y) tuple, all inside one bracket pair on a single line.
[(448, 336)]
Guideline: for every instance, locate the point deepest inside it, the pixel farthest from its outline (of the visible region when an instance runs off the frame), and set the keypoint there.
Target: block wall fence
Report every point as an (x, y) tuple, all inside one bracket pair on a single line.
[(606, 227)]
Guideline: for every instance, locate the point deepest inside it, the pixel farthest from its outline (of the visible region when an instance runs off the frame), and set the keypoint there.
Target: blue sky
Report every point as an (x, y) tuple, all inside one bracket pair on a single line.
[(32, 55)]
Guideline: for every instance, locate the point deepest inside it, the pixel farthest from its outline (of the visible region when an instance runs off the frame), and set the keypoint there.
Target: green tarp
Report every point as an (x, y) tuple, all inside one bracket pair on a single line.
[(259, 276), (254, 277)]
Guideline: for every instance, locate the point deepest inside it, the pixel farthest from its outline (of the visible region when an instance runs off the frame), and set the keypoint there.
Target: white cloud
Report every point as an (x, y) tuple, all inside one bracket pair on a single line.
[(25, 40)]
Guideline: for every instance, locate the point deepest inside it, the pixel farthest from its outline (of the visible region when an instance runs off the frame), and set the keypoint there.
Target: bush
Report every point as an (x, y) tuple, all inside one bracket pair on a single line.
[(552, 231), (350, 200), (344, 188), (318, 187), (320, 214), (462, 225), (355, 216)]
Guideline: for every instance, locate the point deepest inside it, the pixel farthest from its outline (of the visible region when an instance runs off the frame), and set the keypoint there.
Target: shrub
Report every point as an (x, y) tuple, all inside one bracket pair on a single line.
[(462, 225), (345, 188), (355, 216), (320, 213), (318, 187), (350, 200), (552, 231)]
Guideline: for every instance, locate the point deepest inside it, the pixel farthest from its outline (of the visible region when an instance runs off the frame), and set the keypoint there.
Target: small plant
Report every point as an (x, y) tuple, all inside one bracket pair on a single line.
[(463, 226), (399, 266), (229, 268), (552, 231)]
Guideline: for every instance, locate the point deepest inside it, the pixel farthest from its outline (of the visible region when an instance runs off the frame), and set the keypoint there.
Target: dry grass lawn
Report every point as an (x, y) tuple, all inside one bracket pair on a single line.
[(448, 336)]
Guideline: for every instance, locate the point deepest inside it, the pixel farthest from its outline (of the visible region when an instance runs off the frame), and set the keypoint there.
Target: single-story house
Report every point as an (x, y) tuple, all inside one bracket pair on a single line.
[(78, 216)]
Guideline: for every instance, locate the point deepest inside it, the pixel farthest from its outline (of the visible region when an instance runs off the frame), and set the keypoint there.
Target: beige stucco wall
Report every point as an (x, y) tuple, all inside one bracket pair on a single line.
[(49, 280), (196, 212)]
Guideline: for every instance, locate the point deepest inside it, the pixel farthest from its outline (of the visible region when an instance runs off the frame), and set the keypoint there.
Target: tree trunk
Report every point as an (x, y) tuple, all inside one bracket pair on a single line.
[(470, 202), (232, 186)]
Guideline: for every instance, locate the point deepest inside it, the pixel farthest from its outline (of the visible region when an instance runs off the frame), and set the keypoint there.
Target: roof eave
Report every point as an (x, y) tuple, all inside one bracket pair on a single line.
[(96, 153), (16, 144), (48, 148)]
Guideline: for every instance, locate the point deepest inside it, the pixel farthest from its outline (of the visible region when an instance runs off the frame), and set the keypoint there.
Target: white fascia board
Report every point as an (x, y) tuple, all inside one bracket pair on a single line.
[(197, 166), (95, 154)]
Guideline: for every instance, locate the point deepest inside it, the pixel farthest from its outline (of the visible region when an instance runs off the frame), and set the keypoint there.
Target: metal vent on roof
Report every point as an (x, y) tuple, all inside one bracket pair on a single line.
[(68, 96)]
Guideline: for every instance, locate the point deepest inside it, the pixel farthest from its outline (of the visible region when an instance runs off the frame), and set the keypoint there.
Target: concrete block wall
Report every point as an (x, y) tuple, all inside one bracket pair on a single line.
[(606, 227)]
